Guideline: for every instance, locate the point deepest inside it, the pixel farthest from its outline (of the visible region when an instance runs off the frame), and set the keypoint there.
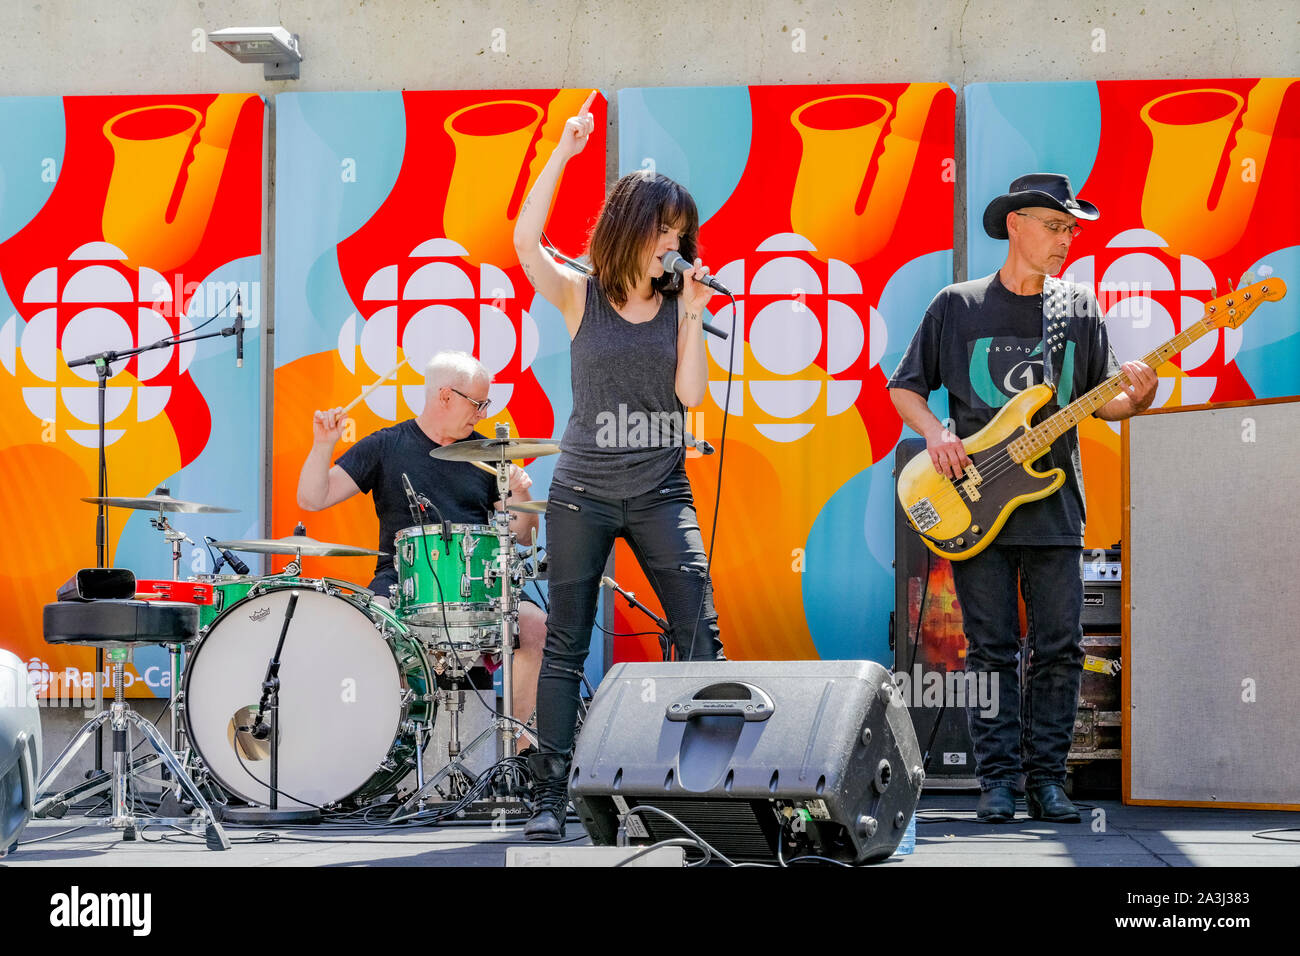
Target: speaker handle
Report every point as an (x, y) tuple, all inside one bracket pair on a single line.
[(757, 706)]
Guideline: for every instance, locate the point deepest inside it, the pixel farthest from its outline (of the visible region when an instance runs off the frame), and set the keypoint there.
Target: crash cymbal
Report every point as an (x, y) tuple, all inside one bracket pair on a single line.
[(161, 501), (491, 449), (297, 544), (529, 507)]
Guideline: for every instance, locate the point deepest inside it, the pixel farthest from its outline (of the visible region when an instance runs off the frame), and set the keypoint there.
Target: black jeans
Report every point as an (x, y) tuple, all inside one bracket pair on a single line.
[(664, 534), (1006, 742)]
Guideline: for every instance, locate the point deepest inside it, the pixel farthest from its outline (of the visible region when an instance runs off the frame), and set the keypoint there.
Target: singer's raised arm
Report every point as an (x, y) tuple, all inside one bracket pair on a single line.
[(562, 288)]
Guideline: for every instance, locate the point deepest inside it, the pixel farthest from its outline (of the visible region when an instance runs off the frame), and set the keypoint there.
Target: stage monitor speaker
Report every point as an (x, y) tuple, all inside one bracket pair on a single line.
[(20, 748), (1211, 604), (758, 758)]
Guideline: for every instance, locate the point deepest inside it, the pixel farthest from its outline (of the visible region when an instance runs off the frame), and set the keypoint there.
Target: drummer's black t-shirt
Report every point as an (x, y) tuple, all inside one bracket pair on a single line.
[(463, 493)]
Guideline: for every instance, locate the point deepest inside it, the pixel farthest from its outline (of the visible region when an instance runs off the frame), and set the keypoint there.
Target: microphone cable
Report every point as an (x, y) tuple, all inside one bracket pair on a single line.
[(722, 459)]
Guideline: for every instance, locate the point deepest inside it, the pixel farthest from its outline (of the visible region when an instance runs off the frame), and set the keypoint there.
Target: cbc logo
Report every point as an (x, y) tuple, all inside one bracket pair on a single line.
[(786, 334), (38, 672), (440, 277), (107, 305)]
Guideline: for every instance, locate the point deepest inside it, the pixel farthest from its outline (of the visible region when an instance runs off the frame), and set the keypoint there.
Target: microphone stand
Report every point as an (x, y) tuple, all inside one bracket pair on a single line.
[(103, 362), (270, 701)]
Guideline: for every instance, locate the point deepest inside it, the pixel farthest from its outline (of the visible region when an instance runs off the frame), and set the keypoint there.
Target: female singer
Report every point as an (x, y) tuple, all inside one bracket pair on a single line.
[(637, 347)]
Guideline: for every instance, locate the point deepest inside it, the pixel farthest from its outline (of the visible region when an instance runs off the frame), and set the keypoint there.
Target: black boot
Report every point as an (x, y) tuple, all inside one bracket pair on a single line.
[(550, 772)]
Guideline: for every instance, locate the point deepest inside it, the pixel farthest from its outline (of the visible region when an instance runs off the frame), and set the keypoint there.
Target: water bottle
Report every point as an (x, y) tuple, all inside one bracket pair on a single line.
[(908, 843)]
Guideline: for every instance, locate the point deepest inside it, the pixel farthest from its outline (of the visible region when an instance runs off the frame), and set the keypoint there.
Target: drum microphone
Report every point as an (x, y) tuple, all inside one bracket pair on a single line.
[(412, 502), (239, 567), (699, 444), (628, 596), (418, 503)]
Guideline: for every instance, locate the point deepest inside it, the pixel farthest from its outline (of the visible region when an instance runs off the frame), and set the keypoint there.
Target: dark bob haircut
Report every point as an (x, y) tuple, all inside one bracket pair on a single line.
[(629, 222)]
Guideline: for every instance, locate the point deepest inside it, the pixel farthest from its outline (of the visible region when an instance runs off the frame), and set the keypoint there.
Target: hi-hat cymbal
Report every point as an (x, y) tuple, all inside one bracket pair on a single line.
[(492, 449), (529, 507), (298, 544), (163, 502)]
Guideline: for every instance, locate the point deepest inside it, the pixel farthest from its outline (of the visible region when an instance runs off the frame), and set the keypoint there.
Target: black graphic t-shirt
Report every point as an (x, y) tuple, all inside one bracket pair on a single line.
[(984, 344), (463, 493)]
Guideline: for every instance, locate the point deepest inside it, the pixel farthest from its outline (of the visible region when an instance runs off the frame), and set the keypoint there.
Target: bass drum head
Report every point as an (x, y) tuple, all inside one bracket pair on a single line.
[(340, 698)]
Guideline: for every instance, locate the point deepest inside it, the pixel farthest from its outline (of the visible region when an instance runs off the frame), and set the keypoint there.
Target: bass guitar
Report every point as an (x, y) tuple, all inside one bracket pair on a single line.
[(958, 518)]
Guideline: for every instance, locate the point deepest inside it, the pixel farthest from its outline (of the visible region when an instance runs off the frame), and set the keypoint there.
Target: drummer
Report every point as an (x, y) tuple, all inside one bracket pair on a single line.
[(455, 400)]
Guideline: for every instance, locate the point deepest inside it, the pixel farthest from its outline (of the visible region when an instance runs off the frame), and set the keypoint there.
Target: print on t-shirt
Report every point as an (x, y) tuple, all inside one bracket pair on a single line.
[(1001, 367)]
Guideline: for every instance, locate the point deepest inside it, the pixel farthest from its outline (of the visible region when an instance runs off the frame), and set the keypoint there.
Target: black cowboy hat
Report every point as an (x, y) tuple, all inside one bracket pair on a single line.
[(1050, 190)]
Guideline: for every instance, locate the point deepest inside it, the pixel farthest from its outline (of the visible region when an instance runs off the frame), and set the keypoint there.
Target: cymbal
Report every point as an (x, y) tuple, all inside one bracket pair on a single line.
[(491, 449), (164, 502), (298, 544), (529, 507)]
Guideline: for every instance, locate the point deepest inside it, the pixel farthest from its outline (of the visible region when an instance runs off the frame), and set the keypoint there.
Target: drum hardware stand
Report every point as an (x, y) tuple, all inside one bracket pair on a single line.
[(103, 362), (176, 652), (120, 717), (271, 701)]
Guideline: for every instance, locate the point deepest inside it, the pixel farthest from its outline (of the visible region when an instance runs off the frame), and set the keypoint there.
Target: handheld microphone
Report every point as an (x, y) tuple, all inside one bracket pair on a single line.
[(239, 567), (673, 262), (239, 335)]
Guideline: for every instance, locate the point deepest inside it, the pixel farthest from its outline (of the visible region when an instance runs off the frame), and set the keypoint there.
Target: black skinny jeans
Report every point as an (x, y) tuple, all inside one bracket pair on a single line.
[(664, 534)]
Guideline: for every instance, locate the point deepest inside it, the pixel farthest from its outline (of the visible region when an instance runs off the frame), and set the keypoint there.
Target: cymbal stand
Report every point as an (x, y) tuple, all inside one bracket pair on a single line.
[(507, 566), (176, 651)]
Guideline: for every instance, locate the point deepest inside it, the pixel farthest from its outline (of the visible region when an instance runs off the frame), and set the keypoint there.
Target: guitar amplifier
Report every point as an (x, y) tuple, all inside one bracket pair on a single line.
[(1102, 610), (929, 645), (761, 759)]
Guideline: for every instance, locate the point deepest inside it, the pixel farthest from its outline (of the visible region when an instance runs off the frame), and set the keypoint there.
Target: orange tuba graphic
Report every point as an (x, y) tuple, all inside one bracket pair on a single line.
[(840, 135), (492, 141), (1190, 130), (150, 146)]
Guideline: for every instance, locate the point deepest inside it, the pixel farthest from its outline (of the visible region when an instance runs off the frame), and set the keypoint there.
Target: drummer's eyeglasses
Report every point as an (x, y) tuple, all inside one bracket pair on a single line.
[(482, 406)]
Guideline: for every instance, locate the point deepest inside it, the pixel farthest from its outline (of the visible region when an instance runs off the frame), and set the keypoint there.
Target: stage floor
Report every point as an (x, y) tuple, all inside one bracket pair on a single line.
[(1111, 835)]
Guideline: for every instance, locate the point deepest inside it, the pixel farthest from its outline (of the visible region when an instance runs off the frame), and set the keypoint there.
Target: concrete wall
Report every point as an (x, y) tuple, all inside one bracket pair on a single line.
[(149, 46)]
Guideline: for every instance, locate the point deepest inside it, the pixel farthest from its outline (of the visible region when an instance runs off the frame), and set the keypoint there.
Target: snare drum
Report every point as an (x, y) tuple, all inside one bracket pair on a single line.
[(226, 590), (355, 691), (434, 576)]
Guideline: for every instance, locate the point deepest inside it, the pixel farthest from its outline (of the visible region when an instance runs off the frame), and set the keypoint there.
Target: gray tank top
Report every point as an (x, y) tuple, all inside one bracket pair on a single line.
[(624, 436)]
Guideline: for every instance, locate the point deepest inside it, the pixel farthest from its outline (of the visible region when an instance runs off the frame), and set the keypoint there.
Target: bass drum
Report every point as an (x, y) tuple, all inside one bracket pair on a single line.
[(355, 690)]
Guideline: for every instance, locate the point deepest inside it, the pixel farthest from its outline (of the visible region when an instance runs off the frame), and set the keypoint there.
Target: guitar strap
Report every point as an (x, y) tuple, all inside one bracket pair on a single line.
[(1056, 322)]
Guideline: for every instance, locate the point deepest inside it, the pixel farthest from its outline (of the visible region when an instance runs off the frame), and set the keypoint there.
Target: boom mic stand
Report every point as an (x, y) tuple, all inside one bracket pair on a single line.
[(103, 362)]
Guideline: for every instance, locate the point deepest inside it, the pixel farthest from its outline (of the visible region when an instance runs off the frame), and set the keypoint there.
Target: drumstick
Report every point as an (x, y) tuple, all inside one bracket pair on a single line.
[(362, 397)]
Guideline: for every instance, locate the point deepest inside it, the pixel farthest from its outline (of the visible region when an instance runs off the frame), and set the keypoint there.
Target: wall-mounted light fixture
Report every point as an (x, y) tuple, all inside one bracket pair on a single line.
[(274, 47)]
